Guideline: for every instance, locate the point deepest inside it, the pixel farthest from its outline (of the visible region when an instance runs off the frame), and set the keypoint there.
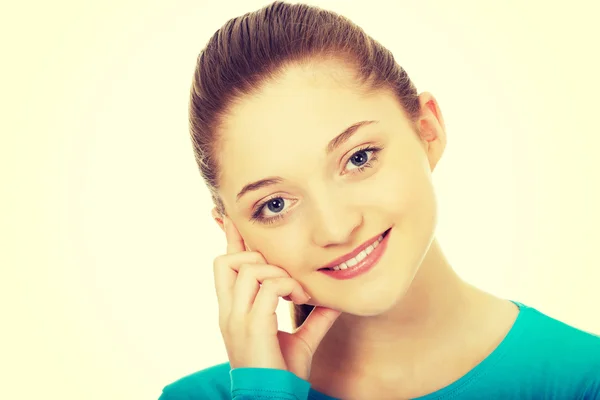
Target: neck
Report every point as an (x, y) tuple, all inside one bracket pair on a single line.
[(428, 312)]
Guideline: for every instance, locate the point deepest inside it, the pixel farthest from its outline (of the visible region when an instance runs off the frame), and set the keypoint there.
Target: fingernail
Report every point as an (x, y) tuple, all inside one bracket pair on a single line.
[(300, 301)]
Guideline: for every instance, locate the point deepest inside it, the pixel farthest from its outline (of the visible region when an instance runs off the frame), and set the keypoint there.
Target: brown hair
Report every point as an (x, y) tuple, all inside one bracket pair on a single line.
[(257, 46)]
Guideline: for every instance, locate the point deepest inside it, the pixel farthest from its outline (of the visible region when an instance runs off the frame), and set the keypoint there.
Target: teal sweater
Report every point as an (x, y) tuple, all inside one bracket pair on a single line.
[(540, 358)]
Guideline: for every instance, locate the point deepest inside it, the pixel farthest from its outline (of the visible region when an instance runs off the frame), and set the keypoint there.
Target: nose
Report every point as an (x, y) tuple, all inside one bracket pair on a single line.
[(334, 224)]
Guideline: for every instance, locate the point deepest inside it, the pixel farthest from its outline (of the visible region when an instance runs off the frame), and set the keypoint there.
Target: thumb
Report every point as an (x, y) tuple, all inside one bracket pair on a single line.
[(316, 326)]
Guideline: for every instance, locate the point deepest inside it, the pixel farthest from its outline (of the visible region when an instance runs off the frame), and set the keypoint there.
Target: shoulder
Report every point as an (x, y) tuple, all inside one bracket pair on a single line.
[(210, 383), (551, 334), (555, 353)]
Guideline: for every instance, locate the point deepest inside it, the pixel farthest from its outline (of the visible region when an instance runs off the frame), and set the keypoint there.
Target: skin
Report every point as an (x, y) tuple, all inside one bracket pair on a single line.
[(412, 313)]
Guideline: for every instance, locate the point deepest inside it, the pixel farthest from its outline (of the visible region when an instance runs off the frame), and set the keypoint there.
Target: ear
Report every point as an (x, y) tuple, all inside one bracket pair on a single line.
[(218, 218), (431, 128)]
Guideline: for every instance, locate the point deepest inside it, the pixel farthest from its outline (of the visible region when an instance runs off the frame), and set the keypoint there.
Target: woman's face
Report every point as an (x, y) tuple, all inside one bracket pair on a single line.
[(325, 196)]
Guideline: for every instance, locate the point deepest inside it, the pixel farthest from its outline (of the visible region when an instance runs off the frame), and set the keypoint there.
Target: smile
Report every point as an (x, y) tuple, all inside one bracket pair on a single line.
[(361, 260)]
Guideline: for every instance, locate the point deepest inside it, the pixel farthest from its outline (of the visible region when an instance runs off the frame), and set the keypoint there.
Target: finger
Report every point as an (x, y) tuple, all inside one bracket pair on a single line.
[(225, 268), (316, 326), (235, 243), (225, 278), (236, 260), (247, 285), (267, 300)]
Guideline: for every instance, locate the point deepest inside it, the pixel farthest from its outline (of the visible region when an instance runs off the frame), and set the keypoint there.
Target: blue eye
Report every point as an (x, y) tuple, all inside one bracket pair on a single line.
[(363, 159), (360, 160), (274, 205)]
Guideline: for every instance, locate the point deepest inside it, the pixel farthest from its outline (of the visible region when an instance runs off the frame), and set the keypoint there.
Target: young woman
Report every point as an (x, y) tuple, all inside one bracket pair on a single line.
[(318, 152)]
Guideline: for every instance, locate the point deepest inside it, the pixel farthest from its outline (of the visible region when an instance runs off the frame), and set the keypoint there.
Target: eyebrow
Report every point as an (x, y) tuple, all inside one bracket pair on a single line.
[(331, 146)]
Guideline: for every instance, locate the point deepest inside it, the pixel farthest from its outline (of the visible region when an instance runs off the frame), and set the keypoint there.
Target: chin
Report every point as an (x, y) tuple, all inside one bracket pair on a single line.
[(386, 285), (371, 301), (371, 306)]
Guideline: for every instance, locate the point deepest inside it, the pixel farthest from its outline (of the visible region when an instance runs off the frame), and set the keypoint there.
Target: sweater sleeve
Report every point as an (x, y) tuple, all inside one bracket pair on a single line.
[(267, 383)]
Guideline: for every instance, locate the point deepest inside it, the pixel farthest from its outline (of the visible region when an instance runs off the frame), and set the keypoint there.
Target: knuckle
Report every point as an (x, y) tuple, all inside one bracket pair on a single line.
[(273, 285), (245, 271), (256, 257), (269, 284), (219, 262)]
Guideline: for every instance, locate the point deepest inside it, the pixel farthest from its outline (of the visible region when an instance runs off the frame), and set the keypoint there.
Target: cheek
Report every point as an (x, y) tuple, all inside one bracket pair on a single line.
[(394, 188), (278, 248)]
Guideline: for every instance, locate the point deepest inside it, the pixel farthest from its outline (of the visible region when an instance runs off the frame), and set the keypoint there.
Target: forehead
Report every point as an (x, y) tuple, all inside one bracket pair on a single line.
[(287, 124)]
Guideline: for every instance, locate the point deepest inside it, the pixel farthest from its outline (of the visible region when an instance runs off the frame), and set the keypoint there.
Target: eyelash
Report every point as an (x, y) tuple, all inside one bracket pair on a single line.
[(256, 215), (368, 148)]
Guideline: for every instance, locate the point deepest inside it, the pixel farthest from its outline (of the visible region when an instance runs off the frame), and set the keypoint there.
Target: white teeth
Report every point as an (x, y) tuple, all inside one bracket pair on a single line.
[(361, 256)]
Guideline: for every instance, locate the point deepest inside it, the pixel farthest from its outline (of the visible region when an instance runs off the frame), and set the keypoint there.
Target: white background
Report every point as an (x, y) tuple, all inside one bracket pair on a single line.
[(107, 240)]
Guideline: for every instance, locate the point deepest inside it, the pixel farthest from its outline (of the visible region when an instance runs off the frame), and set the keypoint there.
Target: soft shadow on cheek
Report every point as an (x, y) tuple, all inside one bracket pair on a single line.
[(280, 254), (392, 191), (268, 246), (255, 238)]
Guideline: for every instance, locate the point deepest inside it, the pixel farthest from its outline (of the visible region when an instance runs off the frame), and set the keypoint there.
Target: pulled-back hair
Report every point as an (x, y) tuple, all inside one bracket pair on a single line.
[(256, 47)]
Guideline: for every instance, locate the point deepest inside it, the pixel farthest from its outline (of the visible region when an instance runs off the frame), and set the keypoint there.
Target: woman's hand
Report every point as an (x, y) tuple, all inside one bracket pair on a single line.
[(248, 291)]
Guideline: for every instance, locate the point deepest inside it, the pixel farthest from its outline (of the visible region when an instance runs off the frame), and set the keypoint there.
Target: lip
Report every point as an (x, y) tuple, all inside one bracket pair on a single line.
[(355, 252), (364, 265)]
